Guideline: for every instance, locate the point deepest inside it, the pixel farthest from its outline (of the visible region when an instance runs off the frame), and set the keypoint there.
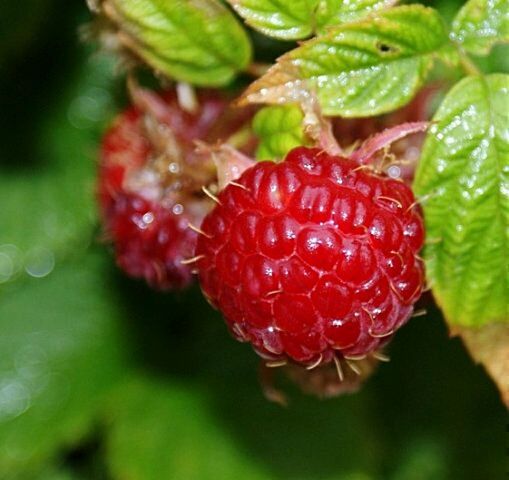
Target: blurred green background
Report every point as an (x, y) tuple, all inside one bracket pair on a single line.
[(101, 378)]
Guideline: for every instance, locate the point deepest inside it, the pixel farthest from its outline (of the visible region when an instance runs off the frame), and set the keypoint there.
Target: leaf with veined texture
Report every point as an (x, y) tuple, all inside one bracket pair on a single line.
[(301, 18), (464, 172), (195, 41), (331, 13), (278, 18), (359, 69), (480, 24)]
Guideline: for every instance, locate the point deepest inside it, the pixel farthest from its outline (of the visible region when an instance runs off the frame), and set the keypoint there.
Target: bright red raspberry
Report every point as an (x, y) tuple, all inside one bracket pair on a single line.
[(150, 179), (312, 258)]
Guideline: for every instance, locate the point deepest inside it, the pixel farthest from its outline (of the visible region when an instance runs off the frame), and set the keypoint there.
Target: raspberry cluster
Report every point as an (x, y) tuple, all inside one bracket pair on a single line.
[(149, 183), (312, 259)]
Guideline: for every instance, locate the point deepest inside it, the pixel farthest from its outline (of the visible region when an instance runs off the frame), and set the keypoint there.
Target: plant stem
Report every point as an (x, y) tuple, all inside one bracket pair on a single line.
[(468, 65)]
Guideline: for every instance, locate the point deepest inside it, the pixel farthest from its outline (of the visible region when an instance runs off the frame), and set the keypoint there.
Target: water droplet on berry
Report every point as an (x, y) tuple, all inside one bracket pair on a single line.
[(394, 171), (177, 209), (174, 167), (148, 218)]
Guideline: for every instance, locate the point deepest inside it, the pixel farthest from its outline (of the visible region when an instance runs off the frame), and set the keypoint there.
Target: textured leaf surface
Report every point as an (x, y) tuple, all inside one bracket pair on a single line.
[(301, 18), (60, 354), (278, 18), (196, 41), (359, 69), (482, 23), (465, 171), (279, 129), (331, 13)]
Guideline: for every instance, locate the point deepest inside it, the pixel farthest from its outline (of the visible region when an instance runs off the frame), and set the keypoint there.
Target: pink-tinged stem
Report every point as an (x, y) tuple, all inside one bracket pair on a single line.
[(385, 138)]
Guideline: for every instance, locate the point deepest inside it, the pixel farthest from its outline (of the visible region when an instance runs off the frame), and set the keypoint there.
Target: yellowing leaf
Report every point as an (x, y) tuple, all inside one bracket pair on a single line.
[(489, 345)]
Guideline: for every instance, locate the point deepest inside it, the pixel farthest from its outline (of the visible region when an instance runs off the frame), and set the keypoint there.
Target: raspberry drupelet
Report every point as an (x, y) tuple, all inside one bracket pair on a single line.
[(312, 259), (150, 180)]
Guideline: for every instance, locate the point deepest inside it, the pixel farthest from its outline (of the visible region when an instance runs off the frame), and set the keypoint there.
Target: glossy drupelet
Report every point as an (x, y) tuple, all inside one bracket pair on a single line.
[(312, 258)]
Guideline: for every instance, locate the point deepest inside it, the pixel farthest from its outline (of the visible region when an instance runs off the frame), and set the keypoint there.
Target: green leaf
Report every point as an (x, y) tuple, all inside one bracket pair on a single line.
[(301, 18), (47, 192), (331, 13), (278, 18), (196, 41), (50, 472), (161, 430), (280, 129), (360, 69), (219, 430), (465, 172), (61, 352), (480, 24)]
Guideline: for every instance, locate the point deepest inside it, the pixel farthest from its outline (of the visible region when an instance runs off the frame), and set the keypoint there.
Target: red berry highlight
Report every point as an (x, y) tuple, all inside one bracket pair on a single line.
[(314, 258)]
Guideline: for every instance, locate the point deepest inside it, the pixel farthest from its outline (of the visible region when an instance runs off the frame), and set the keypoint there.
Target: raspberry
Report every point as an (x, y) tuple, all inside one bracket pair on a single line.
[(150, 179), (312, 259), (152, 241)]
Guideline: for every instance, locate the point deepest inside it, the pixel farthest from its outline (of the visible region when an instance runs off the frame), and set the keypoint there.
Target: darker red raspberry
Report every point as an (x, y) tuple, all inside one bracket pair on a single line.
[(150, 179), (313, 257), (152, 241)]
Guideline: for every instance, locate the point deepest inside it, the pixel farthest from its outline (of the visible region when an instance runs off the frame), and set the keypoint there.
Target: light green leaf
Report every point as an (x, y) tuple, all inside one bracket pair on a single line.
[(301, 18), (196, 41), (465, 172), (278, 18), (331, 13), (360, 69), (280, 129), (480, 24), (61, 353)]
